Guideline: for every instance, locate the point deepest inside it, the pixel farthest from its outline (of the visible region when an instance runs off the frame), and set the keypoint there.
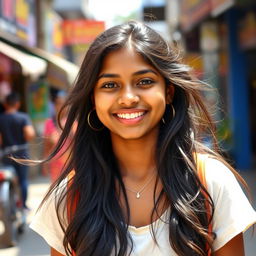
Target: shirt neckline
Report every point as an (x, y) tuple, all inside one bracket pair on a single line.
[(157, 222)]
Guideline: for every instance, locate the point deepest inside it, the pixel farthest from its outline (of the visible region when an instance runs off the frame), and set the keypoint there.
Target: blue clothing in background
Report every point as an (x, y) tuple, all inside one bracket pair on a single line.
[(12, 133), (12, 130)]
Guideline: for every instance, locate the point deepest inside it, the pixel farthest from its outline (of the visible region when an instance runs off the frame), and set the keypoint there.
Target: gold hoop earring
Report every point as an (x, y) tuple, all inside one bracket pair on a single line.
[(89, 122), (173, 111)]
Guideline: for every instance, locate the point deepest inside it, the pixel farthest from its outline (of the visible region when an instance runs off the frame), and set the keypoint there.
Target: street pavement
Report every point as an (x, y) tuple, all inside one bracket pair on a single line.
[(31, 244)]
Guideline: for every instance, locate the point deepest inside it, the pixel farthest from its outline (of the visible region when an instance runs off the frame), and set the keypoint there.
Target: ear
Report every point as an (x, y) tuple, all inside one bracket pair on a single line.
[(169, 93)]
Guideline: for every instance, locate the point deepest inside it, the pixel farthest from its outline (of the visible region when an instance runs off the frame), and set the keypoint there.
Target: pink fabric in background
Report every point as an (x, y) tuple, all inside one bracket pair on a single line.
[(56, 164)]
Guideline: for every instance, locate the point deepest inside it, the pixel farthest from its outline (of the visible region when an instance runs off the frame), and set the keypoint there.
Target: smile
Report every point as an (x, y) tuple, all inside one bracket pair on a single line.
[(130, 115)]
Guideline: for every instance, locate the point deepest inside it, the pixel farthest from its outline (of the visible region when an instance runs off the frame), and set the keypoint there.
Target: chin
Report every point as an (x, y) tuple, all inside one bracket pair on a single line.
[(134, 135)]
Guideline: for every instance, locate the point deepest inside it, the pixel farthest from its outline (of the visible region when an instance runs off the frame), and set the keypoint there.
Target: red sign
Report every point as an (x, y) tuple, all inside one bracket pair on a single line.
[(81, 31)]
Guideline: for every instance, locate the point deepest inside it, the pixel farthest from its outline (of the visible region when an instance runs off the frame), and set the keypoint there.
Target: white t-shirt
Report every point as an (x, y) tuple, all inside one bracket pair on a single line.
[(233, 215)]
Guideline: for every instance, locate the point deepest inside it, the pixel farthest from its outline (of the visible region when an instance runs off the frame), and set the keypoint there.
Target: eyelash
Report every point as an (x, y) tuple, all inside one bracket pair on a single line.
[(146, 82), (106, 85)]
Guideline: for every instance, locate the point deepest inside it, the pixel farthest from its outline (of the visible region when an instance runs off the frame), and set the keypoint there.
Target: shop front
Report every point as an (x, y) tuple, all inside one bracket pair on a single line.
[(28, 70), (247, 43), (17, 71), (214, 24)]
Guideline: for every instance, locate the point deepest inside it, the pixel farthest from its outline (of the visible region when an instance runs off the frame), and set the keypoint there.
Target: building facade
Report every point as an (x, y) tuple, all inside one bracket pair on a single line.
[(221, 34)]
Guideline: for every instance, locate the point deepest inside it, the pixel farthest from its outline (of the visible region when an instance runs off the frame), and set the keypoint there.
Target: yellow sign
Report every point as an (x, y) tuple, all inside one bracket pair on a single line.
[(22, 12)]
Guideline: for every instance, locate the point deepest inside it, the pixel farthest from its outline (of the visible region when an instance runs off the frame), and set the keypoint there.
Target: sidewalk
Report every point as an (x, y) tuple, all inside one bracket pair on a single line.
[(29, 243), (250, 239)]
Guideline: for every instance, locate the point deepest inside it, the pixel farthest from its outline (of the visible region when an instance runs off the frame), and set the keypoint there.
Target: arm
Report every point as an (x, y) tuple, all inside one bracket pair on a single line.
[(235, 247), (55, 253), (29, 132)]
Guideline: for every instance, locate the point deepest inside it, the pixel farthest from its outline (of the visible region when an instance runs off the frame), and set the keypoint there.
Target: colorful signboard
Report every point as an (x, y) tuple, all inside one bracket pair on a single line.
[(17, 17), (81, 31), (7, 9), (53, 33)]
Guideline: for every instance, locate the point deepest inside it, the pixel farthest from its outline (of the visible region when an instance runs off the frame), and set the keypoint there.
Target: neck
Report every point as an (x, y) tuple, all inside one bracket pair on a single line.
[(136, 158)]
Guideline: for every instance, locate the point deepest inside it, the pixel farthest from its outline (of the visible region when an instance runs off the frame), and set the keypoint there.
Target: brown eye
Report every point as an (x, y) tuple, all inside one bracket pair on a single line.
[(109, 85), (146, 82)]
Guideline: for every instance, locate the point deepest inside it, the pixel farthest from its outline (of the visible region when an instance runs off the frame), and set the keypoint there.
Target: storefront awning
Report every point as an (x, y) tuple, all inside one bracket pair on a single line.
[(60, 72), (30, 65)]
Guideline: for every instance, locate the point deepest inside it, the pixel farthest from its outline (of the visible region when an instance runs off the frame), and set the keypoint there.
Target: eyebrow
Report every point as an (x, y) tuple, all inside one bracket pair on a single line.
[(140, 72)]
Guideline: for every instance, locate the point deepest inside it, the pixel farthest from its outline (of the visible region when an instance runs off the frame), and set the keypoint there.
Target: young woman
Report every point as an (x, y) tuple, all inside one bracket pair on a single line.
[(131, 185)]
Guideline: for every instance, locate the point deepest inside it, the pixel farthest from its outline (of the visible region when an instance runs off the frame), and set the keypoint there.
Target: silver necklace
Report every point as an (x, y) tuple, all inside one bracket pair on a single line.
[(138, 193)]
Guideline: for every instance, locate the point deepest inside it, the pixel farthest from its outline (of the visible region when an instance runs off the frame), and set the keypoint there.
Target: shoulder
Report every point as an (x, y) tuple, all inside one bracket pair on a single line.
[(220, 179), (24, 117), (47, 223), (56, 196), (214, 169), (233, 212), (22, 114)]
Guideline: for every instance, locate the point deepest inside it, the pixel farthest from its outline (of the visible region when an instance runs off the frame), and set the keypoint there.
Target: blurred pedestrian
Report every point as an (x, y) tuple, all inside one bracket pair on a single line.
[(139, 180), (16, 130), (52, 132)]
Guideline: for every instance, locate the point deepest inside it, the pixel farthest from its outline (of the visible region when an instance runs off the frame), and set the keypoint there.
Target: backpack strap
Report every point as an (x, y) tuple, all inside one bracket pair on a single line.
[(200, 160)]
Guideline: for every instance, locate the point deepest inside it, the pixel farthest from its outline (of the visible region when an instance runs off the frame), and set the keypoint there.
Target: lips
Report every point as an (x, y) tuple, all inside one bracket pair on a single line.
[(130, 116)]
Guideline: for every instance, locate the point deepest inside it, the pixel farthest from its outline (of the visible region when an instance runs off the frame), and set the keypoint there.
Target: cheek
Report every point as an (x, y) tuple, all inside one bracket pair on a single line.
[(160, 101), (102, 108)]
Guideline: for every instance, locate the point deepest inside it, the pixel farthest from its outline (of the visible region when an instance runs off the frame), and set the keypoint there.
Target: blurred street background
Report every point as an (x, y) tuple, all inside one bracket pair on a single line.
[(43, 42)]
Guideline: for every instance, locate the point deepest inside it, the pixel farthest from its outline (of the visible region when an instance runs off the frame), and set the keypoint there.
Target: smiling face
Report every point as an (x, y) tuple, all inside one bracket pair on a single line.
[(130, 95)]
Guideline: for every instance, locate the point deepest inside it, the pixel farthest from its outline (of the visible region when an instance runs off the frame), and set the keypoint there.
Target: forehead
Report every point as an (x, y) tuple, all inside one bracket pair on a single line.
[(124, 59)]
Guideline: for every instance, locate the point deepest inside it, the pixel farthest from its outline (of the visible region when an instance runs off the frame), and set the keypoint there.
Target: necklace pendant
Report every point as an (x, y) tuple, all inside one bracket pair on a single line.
[(138, 195)]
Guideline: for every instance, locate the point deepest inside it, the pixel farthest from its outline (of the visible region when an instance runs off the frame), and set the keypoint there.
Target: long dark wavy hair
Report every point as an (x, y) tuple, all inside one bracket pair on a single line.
[(98, 226)]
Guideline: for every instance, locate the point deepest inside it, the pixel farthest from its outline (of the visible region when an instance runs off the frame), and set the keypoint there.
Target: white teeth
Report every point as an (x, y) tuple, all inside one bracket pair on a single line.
[(130, 116)]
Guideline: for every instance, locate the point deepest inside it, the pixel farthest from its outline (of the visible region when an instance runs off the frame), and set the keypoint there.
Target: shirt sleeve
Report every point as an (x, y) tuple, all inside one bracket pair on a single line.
[(26, 120), (45, 222), (233, 212)]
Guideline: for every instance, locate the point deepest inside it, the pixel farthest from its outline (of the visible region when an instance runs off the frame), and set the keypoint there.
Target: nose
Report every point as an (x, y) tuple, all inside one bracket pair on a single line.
[(128, 98)]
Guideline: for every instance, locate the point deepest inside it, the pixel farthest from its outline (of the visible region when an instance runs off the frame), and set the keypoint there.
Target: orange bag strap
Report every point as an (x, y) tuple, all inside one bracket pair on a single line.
[(71, 207), (200, 160)]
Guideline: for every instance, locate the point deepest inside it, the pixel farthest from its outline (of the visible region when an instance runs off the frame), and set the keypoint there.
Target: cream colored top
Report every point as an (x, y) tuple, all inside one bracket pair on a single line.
[(233, 215)]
